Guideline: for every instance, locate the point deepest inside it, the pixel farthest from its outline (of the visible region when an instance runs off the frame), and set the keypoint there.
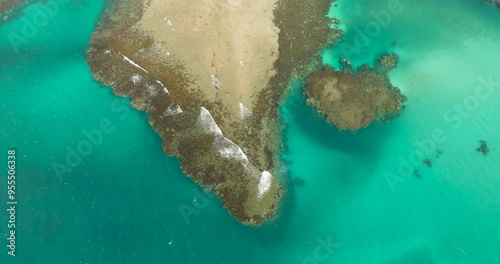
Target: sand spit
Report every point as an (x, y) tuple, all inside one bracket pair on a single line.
[(225, 65)]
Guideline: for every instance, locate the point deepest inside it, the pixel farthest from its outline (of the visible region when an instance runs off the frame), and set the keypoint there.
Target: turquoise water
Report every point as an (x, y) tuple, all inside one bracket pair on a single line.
[(120, 203)]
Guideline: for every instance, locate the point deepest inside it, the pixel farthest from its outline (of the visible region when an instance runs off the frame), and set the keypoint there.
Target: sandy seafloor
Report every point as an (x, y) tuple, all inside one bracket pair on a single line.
[(120, 204)]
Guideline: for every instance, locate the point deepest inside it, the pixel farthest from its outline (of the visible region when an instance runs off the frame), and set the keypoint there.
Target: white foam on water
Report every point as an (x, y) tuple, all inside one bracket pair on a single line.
[(264, 183), (151, 90), (249, 168), (133, 63), (136, 78), (216, 83), (207, 122), (172, 110), (164, 88), (244, 111), (230, 150)]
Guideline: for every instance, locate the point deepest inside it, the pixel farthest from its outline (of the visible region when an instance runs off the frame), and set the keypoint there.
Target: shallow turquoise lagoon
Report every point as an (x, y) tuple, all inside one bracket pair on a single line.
[(353, 196)]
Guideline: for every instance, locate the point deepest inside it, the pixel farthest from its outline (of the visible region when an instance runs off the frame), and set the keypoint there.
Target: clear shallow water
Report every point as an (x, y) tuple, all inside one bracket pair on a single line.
[(120, 204)]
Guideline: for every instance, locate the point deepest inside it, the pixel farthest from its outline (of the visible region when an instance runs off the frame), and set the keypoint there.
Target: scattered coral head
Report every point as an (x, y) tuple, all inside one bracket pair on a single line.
[(387, 61)]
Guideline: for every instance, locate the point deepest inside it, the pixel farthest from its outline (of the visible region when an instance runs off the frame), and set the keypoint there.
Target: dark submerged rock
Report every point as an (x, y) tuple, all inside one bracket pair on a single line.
[(417, 174), (483, 148), (427, 162)]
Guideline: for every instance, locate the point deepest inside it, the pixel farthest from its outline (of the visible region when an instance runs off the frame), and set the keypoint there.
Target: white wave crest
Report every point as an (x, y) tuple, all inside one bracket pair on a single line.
[(230, 150), (244, 111), (216, 83), (136, 78), (172, 110), (264, 183), (164, 88), (207, 122), (133, 63)]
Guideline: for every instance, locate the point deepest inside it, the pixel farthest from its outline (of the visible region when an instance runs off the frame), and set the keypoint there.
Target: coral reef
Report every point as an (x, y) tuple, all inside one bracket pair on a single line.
[(6, 6), (387, 61), (353, 99)]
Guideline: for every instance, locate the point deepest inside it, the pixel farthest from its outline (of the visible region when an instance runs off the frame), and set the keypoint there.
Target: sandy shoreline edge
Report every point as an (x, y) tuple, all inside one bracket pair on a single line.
[(233, 154)]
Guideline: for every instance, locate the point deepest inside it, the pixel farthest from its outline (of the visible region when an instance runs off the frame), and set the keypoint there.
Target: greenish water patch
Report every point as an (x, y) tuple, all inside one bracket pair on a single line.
[(120, 204), (447, 70)]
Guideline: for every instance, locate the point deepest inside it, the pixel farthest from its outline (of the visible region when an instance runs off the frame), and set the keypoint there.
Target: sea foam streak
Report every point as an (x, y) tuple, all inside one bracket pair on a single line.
[(230, 150)]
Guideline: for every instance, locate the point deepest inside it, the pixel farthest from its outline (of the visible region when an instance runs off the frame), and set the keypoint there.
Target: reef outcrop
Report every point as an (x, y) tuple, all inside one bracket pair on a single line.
[(387, 61), (483, 147), (353, 99)]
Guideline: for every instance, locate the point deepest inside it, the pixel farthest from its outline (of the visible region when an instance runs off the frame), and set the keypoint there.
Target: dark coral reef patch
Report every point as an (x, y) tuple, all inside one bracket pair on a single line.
[(354, 99)]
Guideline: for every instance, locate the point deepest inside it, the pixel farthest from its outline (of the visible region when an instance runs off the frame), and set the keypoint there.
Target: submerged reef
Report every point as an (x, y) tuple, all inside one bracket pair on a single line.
[(483, 148), (223, 144), (387, 61), (353, 99), (6, 6), (427, 162)]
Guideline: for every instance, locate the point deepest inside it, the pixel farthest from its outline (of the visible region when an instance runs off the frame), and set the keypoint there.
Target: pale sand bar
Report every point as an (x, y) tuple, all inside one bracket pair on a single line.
[(234, 41)]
